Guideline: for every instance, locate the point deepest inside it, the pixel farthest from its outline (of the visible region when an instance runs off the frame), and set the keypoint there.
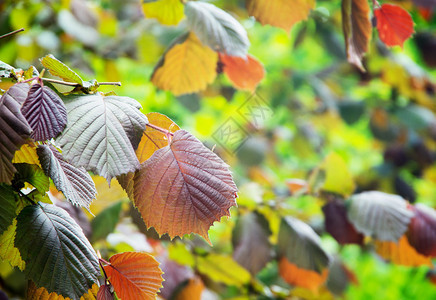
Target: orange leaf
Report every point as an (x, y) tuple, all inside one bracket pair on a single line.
[(244, 73), (134, 275), (401, 253), (35, 293), (300, 277), (280, 13), (357, 30), (192, 291), (184, 188), (394, 24), (296, 185)]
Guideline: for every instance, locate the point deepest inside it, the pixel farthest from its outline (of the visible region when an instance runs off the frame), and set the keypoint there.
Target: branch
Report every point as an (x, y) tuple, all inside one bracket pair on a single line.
[(11, 33)]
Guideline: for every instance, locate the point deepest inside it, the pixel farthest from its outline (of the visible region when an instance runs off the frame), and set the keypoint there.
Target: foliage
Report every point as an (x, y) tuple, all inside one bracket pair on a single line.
[(327, 125)]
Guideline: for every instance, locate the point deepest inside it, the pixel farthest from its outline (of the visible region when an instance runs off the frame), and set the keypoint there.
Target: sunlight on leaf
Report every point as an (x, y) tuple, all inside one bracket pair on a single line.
[(167, 12), (8, 251), (244, 72)]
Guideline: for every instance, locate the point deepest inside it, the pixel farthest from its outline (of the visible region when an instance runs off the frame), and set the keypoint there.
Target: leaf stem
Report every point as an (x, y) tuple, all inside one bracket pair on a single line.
[(101, 260), (164, 131), (11, 33)]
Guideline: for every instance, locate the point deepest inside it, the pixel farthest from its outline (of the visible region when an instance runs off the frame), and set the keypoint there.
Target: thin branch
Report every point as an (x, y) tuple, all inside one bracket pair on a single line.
[(60, 82), (110, 83), (11, 33), (164, 131)]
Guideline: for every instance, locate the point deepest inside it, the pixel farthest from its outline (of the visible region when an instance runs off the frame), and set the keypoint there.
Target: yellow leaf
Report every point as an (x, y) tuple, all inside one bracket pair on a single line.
[(26, 154), (187, 67), (167, 12), (180, 254), (338, 179), (401, 253), (7, 249), (153, 139), (280, 13), (222, 268), (35, 293)]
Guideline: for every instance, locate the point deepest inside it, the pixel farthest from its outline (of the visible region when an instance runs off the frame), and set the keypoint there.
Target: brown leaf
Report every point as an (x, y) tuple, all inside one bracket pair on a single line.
[(153, 139), (357, 30), (134, 275), (244, 72), (184, 188), (300, 277), (422, 230), (394, 24), (401, 253), (104, 293)]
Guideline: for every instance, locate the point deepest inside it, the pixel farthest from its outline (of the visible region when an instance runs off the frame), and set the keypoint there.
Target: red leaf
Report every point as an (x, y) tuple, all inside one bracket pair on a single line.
[(422, 230), (244, 72), (104, 293), (184, 188), (134, 275), (394, 24)]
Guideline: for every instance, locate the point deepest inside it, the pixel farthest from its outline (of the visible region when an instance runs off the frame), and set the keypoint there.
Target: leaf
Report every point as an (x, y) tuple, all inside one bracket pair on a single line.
[(14, 129), (338, 225), (250, 239), (280, 13), (244, 72), (8, 206), (8, 251), (104, 293), (184, 188), (337, 177), (394, 24), (380, 215), (102, 134), (167, 12), (54, 247), (26, 154), (75, 183), (174, 275), (105, 222), (217, 29), (301, 277), (134, 275), (422, 230), (58, 68), (339, 277), (357, 30), (401, 253), (31, 174), (222, 268), (35, 293), (192, 291), (153, 139), (301, 246), (45, 112), (187, 67)]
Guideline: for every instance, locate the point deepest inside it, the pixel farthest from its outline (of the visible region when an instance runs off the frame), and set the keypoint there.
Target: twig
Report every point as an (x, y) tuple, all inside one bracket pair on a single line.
[(110, 83), (11, 33)]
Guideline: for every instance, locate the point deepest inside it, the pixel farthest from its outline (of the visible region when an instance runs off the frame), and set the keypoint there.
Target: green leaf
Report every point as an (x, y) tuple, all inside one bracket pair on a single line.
[(58, 68), (8, 251), (216, 28), (301, 245), (75, 183), (416, 117), (14, 129), (7, 206), (31, 174), (105, 222), (222, 268), (380, 215), (103, 133), (57, 254)]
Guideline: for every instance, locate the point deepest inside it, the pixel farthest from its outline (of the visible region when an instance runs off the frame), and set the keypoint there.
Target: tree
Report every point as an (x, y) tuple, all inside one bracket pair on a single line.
[(61, 132)]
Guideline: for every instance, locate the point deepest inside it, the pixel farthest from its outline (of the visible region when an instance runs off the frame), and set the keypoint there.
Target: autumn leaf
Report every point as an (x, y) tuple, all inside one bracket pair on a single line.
[(35, 293), (394, 24), (380, 215), (280, 13), (134, 275), (192, 290), (187, 67), (184, 188), (45, 112), (153, 139), (301, 277), (167, 12), (8, 251), (401, 253), (244, 72), (104, 293), (357, 30), (26, 154), (422, 230)]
